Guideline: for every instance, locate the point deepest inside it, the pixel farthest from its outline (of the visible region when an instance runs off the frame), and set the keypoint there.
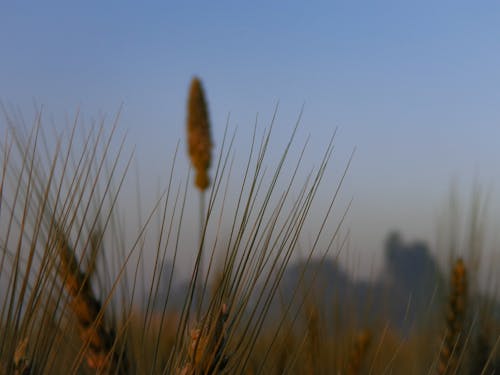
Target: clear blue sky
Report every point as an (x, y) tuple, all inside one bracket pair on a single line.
[(414, 85)]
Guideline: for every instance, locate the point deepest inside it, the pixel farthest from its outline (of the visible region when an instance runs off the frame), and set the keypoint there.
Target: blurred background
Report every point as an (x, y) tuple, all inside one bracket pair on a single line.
[(413, 86)]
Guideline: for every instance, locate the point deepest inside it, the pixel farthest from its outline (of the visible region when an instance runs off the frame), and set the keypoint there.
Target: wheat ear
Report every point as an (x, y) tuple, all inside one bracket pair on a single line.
[(455, 319), (206, 350), (22, 365), (86, 308), (358, 352), (198, 134)]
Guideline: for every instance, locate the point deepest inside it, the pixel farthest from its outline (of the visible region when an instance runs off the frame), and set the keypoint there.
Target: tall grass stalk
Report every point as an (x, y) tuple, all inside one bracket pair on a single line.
[(199, 142)]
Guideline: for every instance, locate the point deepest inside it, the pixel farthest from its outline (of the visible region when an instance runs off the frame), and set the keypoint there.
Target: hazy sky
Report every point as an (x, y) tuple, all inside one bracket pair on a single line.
[(415, 86)]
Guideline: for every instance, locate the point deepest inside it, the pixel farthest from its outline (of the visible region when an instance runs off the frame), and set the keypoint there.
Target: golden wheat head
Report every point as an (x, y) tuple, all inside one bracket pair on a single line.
[(206, 349), (358, 352), (86, 308), (455, 321), (198, 134)]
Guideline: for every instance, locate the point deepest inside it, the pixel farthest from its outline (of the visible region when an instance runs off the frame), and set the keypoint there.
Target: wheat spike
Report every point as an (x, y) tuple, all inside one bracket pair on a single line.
[(206, 349), (198, 134), (358, 352), (22, 365), (86, 308), (455, 321)]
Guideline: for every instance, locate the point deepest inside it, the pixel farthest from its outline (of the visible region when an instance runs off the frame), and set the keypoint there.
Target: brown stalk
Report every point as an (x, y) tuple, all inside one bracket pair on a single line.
[(200, 145), (313, 342)]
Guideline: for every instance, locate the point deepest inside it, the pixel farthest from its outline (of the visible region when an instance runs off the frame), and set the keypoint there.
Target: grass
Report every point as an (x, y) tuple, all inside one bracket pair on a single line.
[(76, 299)]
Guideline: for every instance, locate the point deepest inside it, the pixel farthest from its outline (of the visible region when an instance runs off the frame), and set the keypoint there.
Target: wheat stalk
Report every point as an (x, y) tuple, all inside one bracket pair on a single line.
[(200, 145), (313, 339)]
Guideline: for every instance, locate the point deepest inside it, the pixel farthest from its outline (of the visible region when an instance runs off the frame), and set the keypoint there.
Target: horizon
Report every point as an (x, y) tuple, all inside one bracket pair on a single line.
[(412, 87)]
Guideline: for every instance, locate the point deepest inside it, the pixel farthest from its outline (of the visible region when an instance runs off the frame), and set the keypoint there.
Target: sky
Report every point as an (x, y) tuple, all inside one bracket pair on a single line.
[(413, 86)]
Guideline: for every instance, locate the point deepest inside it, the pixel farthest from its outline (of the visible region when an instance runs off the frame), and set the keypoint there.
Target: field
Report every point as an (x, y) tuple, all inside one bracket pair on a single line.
[(80, 296)]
